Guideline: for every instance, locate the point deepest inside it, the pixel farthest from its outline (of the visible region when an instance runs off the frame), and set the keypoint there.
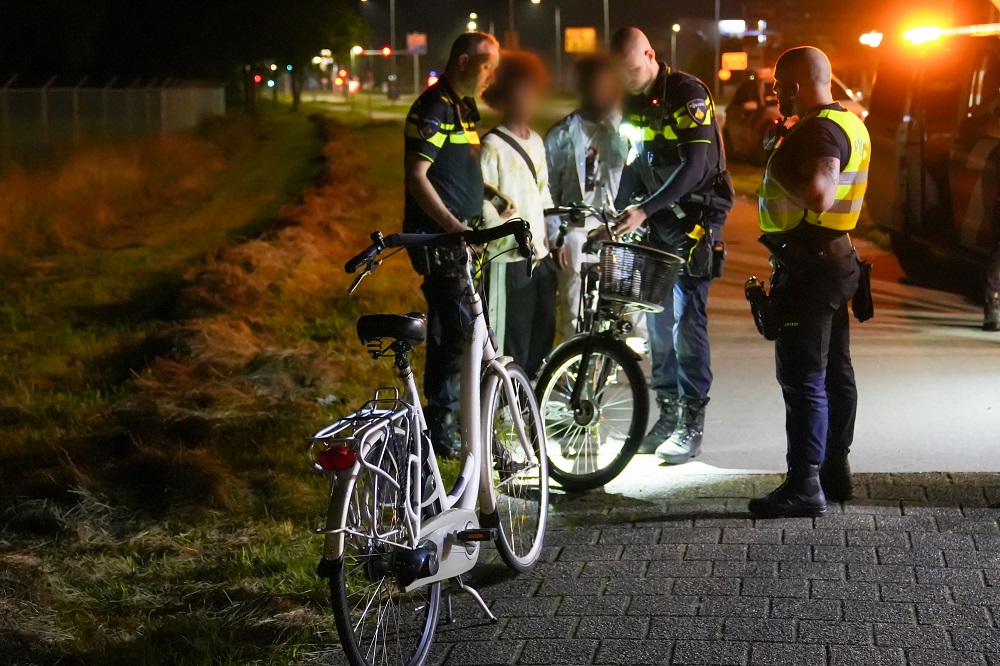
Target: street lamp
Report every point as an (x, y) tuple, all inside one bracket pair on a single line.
[(674, 29)]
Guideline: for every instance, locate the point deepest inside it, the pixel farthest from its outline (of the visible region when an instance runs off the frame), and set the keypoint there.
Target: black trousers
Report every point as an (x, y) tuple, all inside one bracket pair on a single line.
[(813, 357), (446, 316), (530, 319), (993, 270)]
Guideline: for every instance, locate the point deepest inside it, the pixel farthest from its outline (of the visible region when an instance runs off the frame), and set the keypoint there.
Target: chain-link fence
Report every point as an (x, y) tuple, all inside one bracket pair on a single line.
[(33, 119)]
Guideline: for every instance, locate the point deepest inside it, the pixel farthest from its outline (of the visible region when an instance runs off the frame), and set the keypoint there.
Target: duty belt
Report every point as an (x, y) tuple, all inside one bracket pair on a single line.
[(794, 249)]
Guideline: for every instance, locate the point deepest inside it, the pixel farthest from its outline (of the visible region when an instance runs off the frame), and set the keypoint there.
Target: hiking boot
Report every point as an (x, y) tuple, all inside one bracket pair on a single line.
[(799, 496), (664, 426), (835, 477), (991, 321), (443, 427), (685, 443)]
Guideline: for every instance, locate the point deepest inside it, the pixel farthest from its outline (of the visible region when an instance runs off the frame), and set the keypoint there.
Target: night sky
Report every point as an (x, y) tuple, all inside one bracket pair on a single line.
[(444, 20)]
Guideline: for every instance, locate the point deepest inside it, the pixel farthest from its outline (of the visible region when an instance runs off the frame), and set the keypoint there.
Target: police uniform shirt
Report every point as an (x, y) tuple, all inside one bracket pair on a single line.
[(816, 138), (677, 110), (441, 128)]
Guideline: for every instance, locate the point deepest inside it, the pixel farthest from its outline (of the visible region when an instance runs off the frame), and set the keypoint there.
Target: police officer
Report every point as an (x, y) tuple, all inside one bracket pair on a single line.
[(992, 308), (677, 167), (811, 198), (444, 193)]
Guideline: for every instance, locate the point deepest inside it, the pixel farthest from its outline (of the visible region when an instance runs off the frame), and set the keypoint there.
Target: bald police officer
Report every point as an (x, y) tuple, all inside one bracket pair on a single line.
[(810, 199)]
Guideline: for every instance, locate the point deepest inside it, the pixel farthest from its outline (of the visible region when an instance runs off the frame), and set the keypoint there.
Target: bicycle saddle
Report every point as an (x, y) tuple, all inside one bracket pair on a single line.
[(408, 328)]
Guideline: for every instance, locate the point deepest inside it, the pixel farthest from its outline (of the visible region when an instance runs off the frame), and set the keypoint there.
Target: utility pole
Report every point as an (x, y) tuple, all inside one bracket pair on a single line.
[(607, 24), (718, 50), (392, 33), (674, 29), (511, 38), (559, 71)]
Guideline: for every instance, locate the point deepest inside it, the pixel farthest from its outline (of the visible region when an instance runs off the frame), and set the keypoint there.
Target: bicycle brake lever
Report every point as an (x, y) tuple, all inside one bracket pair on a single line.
[(371, 268)]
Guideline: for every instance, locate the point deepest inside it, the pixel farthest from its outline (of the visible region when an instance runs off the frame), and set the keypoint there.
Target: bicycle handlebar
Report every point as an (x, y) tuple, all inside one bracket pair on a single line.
[(576, 210), (516, 227)]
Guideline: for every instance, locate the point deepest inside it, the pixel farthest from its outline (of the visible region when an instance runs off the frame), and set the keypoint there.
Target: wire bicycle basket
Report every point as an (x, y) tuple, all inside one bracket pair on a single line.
[(637, 275)]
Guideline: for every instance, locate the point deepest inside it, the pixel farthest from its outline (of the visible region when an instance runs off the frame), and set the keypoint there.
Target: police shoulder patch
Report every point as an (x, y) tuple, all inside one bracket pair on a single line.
[(698, 109), (429, 127)]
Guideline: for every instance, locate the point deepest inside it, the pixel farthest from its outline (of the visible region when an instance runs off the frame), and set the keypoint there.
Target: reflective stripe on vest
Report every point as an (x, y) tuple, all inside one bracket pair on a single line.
[(778, 212)]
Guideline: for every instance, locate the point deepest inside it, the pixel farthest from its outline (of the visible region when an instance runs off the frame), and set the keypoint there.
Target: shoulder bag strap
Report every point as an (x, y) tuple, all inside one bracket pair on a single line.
[(513, 143)]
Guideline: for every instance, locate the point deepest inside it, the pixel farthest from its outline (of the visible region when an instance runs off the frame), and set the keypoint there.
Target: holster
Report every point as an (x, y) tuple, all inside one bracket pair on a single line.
[(765, 317), (863, 304), (442, 260), (437, 261)]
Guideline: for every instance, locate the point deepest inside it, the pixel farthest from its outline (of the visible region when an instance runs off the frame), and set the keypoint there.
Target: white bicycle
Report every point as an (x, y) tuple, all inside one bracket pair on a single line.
[(393, 531)]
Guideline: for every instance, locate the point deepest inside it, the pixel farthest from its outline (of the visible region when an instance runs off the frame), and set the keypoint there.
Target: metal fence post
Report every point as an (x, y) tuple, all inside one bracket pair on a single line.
[(147, 95), (129, 92), (104, 104), (44, 108), (164, 101), (5, 112), (76, 110)]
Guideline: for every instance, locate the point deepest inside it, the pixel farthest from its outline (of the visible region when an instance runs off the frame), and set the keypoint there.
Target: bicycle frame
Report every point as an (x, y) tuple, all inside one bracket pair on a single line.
[(455, 510)]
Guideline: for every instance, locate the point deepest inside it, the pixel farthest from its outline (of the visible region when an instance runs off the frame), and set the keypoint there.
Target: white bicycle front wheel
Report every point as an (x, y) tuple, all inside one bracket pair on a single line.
[(520, 482)]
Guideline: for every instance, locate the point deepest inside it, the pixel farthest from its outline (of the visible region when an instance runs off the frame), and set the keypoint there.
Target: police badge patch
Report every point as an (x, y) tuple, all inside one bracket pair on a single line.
[(429, 127), (698, 110)]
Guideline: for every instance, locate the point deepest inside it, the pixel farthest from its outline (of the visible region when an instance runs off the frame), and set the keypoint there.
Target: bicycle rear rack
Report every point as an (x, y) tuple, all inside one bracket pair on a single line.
[(361, 432)]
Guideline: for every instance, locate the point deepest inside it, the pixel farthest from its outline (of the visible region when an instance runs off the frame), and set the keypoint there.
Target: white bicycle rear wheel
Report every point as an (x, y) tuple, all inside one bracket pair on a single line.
[(379, 623)]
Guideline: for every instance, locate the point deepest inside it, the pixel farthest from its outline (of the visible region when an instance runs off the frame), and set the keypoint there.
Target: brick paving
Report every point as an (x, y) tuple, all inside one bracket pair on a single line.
[(908, 575)]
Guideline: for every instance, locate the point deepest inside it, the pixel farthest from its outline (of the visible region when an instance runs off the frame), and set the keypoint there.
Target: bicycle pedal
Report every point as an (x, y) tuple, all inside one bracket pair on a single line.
[(482, 534)]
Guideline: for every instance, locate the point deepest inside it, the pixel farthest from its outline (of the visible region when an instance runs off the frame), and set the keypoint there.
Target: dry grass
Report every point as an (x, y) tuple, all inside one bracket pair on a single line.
[(163, 513)]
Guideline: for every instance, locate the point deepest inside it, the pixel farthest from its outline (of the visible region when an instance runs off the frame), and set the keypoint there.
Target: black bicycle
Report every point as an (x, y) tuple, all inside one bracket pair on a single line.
[(591, 390)]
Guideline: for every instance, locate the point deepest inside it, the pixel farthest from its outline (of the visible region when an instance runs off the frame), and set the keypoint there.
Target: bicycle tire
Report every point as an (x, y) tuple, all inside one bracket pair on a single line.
[(507, 458), (560, 361), (392, 651)]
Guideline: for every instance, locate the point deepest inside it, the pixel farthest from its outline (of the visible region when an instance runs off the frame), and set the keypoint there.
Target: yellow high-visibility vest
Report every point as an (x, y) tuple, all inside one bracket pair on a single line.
[(777, 211)]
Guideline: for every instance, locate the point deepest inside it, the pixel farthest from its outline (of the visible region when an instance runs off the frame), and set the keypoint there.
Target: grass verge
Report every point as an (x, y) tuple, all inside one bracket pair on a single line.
[(159, 375)]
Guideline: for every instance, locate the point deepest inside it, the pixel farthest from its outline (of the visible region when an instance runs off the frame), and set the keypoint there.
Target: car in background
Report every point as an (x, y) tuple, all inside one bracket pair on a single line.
[(934, 121), (753, 111)]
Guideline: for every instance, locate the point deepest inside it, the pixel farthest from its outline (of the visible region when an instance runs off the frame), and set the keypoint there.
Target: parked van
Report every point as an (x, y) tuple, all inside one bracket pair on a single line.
[(934, 119)]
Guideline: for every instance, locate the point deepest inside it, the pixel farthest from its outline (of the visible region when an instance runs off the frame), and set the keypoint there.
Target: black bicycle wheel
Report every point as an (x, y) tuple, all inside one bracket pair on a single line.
[(379, 623), (589, 447)]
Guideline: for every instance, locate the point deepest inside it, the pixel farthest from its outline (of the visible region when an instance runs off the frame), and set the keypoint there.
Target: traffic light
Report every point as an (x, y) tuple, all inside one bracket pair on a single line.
[(342, 73), (258, 78), (386, 51)]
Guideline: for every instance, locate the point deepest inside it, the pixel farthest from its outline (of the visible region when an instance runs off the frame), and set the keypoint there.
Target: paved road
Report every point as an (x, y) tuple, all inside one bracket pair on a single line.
[(929, 378), (909, 575)]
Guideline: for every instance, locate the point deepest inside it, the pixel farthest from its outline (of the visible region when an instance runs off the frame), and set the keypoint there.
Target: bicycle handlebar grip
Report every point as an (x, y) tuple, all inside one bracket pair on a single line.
[(361, 259)]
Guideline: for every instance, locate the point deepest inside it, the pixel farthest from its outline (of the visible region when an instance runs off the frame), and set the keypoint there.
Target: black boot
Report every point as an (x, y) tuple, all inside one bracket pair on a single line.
[(799, 496), (835, 477), (443, 426), (664, 426), (992, 312), (685, 443)]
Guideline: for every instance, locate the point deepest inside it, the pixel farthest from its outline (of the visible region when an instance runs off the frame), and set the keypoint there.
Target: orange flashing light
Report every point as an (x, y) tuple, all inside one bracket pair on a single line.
[(930, 33), (923, 34)]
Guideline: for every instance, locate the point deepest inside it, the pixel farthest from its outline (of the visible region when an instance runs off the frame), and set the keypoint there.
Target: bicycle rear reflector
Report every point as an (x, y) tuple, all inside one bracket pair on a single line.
[(336, 459)]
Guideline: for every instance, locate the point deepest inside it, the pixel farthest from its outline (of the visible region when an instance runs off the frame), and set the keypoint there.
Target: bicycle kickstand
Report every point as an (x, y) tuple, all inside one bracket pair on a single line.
[(456, 584)]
